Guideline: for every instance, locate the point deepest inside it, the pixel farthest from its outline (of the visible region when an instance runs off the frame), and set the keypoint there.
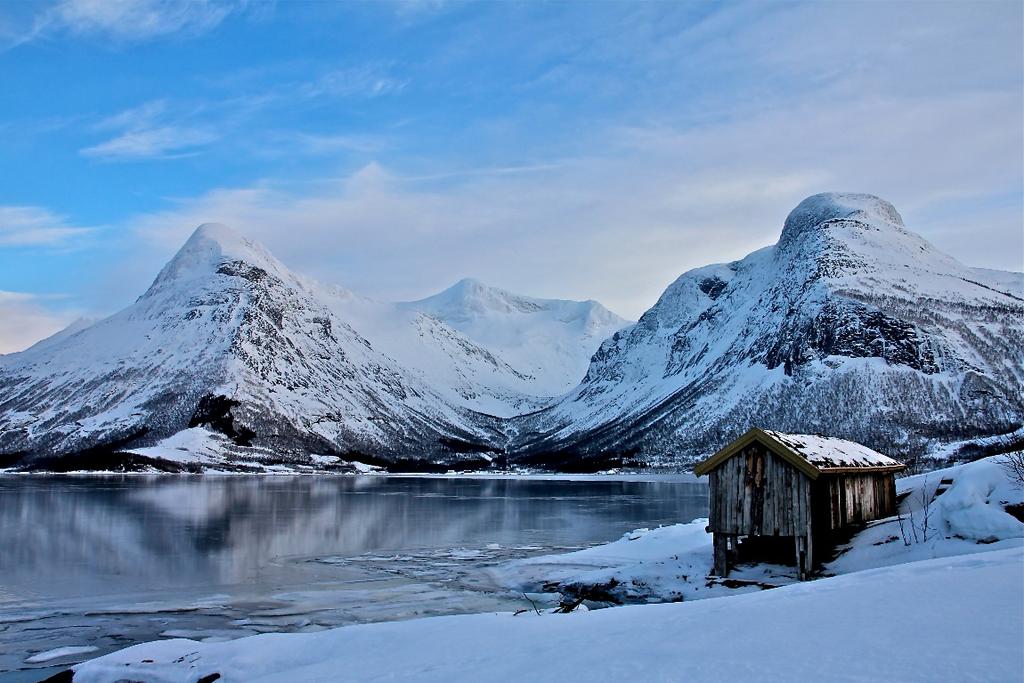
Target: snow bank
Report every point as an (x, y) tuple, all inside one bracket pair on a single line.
[(60, 653), (968, 517), (974, 507), (667, 564), (640, 566), (193, 445), (955, 619)]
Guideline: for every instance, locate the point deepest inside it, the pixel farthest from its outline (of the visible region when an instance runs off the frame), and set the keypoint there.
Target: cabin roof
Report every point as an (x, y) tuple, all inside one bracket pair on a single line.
[(811, 454)]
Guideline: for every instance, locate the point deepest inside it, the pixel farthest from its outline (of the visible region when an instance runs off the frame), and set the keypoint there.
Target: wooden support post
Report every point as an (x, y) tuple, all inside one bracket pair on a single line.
[(801, 556), (808, 556), (721, 542), (808, 547)]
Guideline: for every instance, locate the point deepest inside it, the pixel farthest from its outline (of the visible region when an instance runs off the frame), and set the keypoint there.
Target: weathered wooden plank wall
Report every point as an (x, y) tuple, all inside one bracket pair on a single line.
[(850, 499), (758, 493)]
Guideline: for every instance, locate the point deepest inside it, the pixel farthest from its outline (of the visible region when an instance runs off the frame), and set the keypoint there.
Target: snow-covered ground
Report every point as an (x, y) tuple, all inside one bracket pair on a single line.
[(970, 516), (941, 600), (193, 445), (947, 619), (668, 564)]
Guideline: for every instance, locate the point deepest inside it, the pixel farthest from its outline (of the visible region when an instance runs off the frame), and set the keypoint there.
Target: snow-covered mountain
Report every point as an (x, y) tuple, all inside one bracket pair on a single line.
[(851, 325), (483, 348), (548, 342), (228, 339)]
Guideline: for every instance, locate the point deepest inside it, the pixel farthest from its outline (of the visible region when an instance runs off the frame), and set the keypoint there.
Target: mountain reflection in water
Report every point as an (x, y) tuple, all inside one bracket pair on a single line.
[(110, 560)]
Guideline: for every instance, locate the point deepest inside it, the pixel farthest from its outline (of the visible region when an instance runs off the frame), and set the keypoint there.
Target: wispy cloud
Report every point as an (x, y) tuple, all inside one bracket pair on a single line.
[(587, 151), (33, 226), (369, 80), (128, 21), (163, 142), (136, 117), (144, 133), (168, 129), (292, 142)]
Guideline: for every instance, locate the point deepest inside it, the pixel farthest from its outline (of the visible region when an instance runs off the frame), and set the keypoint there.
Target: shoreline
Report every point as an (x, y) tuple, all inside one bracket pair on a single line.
[(637, 477)]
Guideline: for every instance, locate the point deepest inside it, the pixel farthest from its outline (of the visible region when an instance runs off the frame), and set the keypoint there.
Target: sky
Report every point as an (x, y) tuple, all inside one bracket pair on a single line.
[(580, 150)]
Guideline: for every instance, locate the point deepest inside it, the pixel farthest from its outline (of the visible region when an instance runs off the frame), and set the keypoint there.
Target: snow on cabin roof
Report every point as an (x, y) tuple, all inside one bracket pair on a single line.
[(826, 452), (811, 454)]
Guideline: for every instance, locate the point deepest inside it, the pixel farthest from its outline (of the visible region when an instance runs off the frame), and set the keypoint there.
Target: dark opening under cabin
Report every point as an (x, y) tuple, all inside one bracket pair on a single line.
[(786, 497)]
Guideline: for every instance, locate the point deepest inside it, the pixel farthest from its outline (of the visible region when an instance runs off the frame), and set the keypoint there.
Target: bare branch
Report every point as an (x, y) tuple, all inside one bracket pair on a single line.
[(1013, 463), (532, 604)]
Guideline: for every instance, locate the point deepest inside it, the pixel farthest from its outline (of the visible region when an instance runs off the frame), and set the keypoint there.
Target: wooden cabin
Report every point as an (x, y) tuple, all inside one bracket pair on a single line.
[(776, 495)]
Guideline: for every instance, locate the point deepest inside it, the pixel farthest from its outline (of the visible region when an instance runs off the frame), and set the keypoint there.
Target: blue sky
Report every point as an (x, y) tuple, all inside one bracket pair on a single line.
[(576, 150)]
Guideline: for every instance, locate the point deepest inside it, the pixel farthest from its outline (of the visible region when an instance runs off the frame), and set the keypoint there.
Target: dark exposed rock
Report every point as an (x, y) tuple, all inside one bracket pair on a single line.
[(852, 332), (215, 412), (243, 270), (712, 286)]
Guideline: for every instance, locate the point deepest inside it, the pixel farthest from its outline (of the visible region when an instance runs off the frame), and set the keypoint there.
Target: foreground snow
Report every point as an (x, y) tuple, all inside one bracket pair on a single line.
[(953, 619)]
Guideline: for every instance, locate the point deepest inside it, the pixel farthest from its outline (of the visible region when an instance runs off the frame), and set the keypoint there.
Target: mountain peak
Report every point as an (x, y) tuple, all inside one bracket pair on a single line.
[(209, 246), (470, 296), (817, 210), (471, 289), (849, 304), (216, 232), (467, 285), (221, 240)]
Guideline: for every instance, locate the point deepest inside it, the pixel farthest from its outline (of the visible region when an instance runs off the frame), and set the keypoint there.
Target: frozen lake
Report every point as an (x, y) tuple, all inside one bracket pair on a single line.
[(107, 561)]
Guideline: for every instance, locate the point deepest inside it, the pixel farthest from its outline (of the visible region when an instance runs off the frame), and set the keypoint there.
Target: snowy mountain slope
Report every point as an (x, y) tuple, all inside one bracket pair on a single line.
[(459, 369), (72, 328), (851, 325), (228, 337), (225, 336)]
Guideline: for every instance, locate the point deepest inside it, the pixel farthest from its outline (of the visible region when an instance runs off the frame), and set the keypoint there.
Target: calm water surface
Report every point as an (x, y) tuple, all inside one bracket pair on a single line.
[(109, 561)]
